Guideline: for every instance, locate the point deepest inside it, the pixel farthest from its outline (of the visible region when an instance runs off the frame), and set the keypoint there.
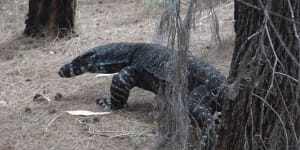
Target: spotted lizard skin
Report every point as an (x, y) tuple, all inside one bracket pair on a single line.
[(148, 66)]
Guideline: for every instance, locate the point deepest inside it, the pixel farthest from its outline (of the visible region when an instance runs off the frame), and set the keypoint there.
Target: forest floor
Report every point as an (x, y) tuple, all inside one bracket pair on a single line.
[(29, 66)]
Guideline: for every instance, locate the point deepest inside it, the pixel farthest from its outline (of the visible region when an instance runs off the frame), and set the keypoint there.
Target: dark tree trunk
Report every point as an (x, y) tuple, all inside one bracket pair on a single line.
[(50, 17), (265, 74)]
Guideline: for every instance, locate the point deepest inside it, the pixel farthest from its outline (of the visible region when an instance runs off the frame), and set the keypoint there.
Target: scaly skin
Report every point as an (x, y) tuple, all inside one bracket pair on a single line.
[(147, 66)]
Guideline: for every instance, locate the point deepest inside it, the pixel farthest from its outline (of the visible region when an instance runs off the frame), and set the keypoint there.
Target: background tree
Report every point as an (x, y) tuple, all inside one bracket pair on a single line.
[(50, 17), (262, 100), (263, 109), (174, 123)]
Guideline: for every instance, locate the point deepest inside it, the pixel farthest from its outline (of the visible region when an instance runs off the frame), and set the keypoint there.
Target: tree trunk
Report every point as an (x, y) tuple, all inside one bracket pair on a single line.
[(50, 17), (265, 75)]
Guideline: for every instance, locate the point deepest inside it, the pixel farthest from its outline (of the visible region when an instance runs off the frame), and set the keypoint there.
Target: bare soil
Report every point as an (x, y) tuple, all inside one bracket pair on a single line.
[(29, 66)]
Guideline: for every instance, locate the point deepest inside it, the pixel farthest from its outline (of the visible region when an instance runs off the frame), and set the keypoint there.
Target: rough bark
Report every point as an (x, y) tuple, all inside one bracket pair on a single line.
[(265, 72), (50, 18)]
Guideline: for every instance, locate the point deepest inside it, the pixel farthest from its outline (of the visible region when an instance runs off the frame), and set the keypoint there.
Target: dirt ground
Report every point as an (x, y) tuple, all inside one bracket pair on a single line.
[(29, 67)]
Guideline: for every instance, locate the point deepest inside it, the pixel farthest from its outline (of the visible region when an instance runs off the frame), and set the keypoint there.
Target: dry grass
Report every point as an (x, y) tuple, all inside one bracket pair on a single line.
[(29, 66)]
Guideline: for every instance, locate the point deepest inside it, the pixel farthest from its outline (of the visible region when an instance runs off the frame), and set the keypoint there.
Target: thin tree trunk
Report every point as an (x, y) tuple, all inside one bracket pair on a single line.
[(264, 114), (50, 18), (174, 123)]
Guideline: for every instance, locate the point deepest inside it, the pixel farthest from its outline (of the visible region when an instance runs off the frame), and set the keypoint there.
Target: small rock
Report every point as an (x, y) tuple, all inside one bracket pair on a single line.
[(58, 97), (96, 119), (207, 47), (28, 80), (52, 111), (45, 90), (52, 52), (85, 121), (28, 110)]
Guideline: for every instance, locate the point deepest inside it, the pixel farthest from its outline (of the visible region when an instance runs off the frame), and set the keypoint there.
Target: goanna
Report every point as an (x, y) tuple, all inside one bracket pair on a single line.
[(148, 66)]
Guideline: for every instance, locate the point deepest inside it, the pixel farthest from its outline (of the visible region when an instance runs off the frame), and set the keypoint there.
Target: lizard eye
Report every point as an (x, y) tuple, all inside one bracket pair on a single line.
[(89, 54)]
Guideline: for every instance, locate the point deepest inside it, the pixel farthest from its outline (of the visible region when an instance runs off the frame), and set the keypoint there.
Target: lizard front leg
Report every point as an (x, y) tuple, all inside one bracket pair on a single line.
[(121, 85)]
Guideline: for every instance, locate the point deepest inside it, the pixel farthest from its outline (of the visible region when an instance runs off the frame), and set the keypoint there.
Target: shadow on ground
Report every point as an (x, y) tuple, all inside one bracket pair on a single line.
[(18, 45)]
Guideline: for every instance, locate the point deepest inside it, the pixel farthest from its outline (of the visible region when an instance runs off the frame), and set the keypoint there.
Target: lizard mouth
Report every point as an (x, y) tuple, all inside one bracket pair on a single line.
[(70, 70), (65, 71), (61, 73)]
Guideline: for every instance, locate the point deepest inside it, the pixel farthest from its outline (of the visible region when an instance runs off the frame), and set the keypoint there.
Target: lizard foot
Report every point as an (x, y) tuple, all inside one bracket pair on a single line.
[(107, 104)]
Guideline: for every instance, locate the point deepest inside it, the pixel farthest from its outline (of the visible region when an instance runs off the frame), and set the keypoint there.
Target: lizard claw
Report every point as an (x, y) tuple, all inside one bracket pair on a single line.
[(104, 102), (107, 104)]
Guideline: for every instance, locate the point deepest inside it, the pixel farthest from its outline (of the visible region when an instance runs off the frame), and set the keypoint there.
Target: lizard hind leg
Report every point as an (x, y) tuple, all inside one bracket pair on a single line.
[(200, 100)]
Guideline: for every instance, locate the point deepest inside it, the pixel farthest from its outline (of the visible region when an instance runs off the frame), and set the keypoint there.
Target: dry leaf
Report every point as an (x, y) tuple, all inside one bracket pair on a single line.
[(3, 103), (41, 98), (86, 113)]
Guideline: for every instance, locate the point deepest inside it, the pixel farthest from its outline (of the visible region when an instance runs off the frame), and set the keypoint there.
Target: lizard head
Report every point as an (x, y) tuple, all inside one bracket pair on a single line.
[(77, 66), (110, 58)]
